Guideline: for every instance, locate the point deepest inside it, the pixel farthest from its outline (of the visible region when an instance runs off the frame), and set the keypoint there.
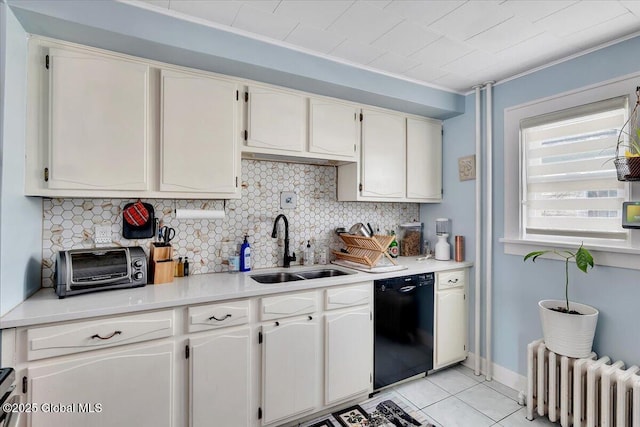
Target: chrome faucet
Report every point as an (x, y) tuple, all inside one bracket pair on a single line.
[(274, 234)]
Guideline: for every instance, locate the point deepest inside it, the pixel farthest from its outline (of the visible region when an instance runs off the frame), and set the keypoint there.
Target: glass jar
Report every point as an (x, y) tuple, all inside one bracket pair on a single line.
[(411, 239)]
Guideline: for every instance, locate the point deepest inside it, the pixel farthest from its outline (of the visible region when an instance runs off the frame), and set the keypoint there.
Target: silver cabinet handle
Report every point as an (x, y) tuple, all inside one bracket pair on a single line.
[(219, 320), (106, 338)]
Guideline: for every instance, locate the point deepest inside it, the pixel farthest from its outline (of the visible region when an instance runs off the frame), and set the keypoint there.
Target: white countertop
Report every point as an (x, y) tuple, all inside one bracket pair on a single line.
[(45, 307)]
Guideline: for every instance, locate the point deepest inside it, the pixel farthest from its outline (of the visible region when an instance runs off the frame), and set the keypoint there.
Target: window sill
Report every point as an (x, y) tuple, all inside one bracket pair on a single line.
[(612, 256)]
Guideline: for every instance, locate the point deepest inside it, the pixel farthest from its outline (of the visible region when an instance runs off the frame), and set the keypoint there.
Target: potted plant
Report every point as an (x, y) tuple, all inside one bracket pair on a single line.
[(628, 166), (568, 327)]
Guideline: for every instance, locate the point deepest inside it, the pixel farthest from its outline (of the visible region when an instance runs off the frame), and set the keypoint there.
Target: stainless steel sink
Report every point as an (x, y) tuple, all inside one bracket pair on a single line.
[(282, 277), (317, 274), (276, 277)]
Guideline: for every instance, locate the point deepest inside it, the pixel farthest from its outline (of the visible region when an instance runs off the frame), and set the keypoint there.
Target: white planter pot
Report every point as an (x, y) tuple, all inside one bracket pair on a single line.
[(568, 334)]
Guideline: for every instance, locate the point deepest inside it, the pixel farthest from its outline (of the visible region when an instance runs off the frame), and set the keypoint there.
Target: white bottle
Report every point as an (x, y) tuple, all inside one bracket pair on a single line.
[(443, 248), (309, 255)]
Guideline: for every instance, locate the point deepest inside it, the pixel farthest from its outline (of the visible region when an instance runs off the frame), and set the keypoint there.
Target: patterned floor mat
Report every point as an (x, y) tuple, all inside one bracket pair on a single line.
[(387, 409)]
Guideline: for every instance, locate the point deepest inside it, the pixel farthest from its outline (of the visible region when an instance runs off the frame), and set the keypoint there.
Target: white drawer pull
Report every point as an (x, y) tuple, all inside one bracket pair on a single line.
[(219, 320), (106, 338)]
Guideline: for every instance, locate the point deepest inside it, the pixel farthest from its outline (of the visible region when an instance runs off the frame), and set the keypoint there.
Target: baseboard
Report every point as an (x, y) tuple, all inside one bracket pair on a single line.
[(500, 374)]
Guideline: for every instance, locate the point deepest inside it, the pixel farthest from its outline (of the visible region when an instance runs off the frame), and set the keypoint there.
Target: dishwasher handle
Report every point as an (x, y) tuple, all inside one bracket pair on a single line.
[(406, 289)]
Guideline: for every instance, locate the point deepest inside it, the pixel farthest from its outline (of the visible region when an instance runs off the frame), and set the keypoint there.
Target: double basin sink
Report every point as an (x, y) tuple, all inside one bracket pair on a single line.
[(285, 276)]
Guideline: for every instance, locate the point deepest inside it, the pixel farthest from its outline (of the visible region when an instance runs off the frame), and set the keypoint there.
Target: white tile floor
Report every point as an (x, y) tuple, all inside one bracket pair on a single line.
[(455, 397)]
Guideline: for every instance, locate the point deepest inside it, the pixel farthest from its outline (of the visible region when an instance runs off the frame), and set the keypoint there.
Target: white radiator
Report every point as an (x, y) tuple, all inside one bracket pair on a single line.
[(587, 392)]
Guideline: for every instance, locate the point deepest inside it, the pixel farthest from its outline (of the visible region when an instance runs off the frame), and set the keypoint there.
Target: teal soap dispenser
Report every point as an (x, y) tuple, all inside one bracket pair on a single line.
[(245, 255)]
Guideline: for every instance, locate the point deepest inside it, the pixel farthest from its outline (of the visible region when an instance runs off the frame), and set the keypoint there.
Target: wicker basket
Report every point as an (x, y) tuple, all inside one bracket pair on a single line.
[(628, 168)]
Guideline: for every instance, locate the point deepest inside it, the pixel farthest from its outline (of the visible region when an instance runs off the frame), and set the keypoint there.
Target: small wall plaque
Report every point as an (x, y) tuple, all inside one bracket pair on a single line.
[(467, 168)]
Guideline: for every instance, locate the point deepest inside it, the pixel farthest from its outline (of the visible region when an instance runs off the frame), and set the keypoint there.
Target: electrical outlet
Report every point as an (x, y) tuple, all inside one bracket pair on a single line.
[(288, 200), (102, 234)]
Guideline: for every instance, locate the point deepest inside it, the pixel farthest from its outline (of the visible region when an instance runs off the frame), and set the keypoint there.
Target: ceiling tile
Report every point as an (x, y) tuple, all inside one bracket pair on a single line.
[(471, 63), (356, 52), (423, 11), (380, 4), (536, 51), (425, 73), (581, 16), (406, 38), (632, 5), (440, 52), (364, 23), (455, 82), (264, 5), (534, 10), (508, 33), (263, 23), (313, 13), (221, 12), (470, 19), (393, 63), (314, 39), (613, 29)]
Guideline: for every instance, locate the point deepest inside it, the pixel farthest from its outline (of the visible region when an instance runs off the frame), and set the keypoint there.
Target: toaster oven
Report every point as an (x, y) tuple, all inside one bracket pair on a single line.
[(78, 271)]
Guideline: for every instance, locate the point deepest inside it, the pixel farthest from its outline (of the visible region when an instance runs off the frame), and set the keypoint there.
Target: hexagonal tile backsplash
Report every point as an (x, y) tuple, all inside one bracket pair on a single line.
[(69, 223)]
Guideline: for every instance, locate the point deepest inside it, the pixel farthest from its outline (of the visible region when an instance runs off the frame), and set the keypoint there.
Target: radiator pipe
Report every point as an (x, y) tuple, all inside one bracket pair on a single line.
[(489, 227), (478, 265)]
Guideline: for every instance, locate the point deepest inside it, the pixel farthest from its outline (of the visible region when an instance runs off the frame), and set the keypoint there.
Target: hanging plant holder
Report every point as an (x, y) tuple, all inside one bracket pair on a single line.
[(628, 165)]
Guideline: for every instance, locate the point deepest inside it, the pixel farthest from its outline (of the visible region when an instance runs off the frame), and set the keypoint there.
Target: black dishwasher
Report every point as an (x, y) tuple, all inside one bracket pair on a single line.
[(403, 324)]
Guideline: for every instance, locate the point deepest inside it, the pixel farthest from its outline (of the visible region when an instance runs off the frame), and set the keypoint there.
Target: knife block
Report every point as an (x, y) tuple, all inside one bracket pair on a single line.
[(161, 265)]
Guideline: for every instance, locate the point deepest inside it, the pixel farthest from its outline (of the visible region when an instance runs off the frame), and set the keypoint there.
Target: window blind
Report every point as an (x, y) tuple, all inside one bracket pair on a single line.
[(568, 176)]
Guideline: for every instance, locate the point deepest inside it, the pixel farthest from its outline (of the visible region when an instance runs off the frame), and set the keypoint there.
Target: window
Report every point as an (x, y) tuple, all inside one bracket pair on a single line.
[(560, 186), (569, 183)]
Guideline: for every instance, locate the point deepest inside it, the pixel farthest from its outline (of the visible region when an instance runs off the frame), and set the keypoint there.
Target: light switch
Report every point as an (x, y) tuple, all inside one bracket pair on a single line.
[(288, 200)]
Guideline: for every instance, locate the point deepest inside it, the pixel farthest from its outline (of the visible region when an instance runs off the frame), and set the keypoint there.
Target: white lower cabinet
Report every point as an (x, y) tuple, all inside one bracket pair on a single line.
[(220, 378), (450, 318), (261, 361), (113, 388), (289, 365), (348, 358)]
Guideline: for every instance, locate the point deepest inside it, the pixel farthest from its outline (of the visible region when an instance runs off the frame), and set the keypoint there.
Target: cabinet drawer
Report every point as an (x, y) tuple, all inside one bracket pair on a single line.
[(288, 305), (347, 296), (77, 337), (451, 279), (214, 316)]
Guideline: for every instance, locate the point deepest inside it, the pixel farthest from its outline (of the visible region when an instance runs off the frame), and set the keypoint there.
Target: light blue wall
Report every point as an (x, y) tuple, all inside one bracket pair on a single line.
[(20, 237), (518, 286)]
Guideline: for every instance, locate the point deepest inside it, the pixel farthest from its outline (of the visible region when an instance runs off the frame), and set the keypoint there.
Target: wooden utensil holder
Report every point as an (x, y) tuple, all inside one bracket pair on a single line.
[(161, 266)]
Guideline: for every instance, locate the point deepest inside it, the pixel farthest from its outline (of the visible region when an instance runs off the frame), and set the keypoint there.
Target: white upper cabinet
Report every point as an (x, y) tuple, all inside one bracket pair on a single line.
[(199, 134), (276, 119), (333, 128), (98, 115), (383, 155), (424, 160)]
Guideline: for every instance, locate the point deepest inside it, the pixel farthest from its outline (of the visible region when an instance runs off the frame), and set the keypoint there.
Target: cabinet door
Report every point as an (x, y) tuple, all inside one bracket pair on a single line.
[(199, 134), (383, 155), (219, 379), (276, 119), (333, 128), (133, 388), (348, 354), (289, 368), (451, 327), (98, 122), (424, 160)]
